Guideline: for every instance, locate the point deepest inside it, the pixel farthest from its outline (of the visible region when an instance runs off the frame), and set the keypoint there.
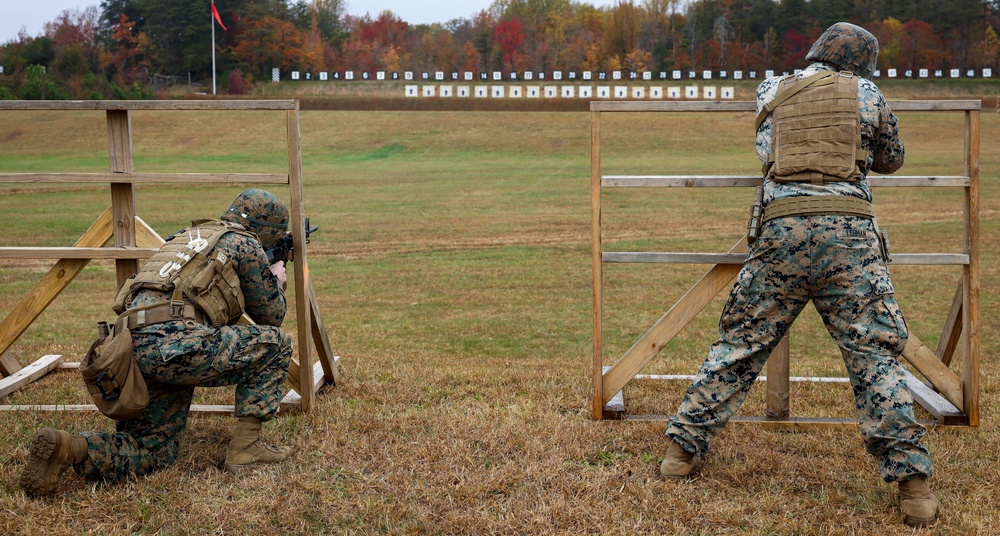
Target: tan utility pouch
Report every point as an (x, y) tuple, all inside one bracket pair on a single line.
[(112, 377)]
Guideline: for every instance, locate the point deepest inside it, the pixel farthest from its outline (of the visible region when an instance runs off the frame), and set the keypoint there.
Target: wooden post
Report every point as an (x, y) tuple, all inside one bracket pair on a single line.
[(597, 411), (778, 399), (303, 311), (970, 308), (122, 194)]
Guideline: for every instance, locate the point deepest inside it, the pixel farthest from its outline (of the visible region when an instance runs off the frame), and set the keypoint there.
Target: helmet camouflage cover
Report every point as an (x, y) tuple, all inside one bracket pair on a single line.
[(261, 213), (847, 47)]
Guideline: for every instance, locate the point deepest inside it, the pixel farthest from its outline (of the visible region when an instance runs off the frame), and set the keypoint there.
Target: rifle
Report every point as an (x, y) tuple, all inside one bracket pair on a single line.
[(282, 249)]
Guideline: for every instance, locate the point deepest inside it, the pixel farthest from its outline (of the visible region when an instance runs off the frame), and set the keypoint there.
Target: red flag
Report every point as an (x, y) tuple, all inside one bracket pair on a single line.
[(215, 13)]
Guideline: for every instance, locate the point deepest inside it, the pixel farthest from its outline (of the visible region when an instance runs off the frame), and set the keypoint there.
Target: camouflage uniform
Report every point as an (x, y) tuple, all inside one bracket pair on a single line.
[(175, 358), (836, 262)]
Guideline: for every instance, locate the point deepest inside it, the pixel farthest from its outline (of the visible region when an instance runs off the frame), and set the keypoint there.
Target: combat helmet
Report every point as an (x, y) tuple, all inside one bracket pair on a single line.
[(261, 212), (846, 47)]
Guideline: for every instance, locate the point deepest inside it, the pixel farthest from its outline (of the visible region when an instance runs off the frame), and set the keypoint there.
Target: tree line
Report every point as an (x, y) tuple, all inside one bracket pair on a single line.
[(129, 48)]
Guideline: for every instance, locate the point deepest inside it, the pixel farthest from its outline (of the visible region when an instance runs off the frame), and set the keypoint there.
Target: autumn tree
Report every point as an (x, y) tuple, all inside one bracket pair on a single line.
[(269, 42), (508, 36)]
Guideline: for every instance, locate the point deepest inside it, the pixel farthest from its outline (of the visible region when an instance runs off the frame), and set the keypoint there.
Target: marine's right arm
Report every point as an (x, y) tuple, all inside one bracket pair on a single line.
[(263, 294)]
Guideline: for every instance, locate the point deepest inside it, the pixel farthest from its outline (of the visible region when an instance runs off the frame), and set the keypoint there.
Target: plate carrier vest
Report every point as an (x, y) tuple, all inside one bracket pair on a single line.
[(191, 270), (816, 130)]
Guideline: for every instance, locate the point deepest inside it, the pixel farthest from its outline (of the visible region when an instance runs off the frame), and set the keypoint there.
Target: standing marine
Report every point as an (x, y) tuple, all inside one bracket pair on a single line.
[(184, 335), (819, 132)]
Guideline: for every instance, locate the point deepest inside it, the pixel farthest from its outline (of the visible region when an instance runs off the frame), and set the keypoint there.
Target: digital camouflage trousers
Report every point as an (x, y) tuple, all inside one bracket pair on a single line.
[(253, 358), (836, 262)]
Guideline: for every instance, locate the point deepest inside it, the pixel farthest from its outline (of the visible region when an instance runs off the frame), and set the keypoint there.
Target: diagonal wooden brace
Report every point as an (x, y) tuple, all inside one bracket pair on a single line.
[(670, 324)]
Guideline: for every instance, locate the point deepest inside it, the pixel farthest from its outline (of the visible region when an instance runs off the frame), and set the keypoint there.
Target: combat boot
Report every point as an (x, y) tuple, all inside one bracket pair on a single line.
[(919, 505), (247, 449), (52, 452), (678, 463)]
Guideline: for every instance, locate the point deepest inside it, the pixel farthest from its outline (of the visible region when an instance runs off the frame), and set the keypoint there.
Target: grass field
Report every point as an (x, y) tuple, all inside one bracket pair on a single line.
[(452, 267)]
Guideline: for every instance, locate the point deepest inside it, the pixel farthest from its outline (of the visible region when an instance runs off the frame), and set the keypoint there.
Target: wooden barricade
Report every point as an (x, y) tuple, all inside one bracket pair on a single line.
[(134, 241), (950, 398)]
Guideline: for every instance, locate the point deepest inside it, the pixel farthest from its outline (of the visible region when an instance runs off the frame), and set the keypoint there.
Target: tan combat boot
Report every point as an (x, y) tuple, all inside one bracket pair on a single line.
[(247, 449), (678, 463), (919, 505), (52, 452)]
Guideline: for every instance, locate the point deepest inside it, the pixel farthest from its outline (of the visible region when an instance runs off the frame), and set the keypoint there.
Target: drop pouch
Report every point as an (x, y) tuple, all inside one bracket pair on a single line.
[(112, 377)]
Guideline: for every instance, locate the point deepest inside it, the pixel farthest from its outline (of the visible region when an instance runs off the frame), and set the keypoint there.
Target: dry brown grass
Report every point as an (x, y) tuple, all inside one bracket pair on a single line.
[(452, 268)]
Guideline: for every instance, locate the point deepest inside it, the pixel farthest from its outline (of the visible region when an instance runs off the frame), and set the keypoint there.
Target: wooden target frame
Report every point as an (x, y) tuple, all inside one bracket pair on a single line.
[(133, 241), (950, 398)]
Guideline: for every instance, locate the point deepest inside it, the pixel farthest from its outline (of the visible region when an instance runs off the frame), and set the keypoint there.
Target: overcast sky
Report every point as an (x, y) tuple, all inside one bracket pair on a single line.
[(32, 14)]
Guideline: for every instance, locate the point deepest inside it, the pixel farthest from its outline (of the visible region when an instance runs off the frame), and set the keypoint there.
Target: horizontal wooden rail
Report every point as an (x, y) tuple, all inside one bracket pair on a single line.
[(75, 253), (751, 106), (151, 105), (104, 178), (638, 257), (724, 181)]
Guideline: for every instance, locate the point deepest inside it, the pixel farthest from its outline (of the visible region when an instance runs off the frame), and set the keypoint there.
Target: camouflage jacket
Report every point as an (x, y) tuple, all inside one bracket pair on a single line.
[(879, 136)]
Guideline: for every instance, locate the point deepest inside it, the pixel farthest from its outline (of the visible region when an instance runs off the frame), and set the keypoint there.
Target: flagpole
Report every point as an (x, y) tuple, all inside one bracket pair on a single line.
[(211, 20)]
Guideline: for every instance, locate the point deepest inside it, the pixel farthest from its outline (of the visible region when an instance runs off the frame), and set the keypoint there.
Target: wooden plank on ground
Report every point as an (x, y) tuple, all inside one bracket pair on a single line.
[(196, 409), (670, 324), (54, 282), (28, 374), (934, 403), (615, 408), (928, 364), (293, 399)]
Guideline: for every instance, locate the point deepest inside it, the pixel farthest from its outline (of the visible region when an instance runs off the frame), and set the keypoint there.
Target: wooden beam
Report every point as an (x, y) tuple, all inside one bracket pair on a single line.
[(726, 181), (28, 374), (8, 364), (331, 372), (668, 326), (155, 105), (597, 359), (75, 253), (952, 331), (934, 403), (153, 178), (303, 311), (145, 236), (122, 194), (54, 282), (970, 308), (196, 409), (939, 376), (750, 106), (919, 259), (778, 398)]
